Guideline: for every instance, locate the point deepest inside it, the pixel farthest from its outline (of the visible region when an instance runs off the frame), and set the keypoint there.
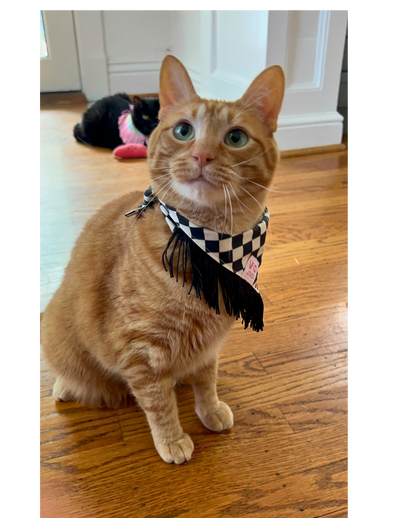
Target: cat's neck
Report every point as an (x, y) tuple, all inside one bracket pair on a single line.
[(234, 218)]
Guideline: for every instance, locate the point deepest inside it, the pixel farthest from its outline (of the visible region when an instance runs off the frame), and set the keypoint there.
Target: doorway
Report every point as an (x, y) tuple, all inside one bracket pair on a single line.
[(59, 64)]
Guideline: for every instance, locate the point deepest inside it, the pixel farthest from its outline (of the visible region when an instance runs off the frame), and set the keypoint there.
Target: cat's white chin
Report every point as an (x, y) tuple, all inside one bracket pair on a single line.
[(200, 191)]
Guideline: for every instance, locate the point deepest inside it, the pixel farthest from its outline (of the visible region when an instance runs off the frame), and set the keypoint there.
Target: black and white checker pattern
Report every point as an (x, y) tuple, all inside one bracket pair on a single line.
[(232, 252)]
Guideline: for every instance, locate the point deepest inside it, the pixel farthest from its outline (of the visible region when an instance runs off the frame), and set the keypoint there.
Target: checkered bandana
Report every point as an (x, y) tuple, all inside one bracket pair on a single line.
[(221, 266), (232, 252)]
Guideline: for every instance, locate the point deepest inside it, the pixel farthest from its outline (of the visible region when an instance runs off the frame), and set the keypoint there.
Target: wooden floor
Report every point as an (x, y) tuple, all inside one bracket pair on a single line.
[(286, 455)]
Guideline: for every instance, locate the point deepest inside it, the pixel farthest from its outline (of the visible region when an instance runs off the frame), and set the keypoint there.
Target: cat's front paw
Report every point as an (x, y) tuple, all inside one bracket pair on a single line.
[(219, 419), (177, 451)]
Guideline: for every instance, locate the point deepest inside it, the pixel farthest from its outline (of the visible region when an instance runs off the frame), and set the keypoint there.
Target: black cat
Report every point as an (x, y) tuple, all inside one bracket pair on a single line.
[(101, 122)]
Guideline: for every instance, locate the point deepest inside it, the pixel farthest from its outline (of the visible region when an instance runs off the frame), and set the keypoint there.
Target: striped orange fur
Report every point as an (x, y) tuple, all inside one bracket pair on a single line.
[(118, 324)]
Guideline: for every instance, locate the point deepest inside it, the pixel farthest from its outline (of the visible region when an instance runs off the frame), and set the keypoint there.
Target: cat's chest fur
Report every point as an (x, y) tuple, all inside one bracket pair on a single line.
[(130, 308)]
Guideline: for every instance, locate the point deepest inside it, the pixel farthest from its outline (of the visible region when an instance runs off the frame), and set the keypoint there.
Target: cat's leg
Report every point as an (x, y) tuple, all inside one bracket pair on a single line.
[(158, 400), (213, 413)]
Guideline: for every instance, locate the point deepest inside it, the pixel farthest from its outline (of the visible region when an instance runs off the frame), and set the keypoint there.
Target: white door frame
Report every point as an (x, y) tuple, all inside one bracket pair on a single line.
[(59, 71)]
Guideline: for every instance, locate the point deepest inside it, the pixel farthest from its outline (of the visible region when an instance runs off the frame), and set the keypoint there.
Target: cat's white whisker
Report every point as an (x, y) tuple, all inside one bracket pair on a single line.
[(255, 183), (168, 187), (158, 177), (266, 188), (225, 206), (255, 199), (244, 205), (250, 159), (230, 203), (239, 202), (168, 180)]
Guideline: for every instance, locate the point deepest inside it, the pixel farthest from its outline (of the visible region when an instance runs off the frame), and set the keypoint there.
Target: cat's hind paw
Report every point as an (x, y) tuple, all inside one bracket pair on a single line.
[(60, 392)]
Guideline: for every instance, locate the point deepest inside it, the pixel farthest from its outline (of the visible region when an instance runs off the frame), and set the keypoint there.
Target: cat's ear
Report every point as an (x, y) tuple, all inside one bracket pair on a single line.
[(265, 95), (137, 102), (175, 83)]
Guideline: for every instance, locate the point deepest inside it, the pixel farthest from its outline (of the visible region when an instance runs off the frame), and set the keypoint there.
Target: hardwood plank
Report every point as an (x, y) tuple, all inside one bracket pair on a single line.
[(302, 202), (312, 163), (282, 343), (312, 492), (319, 150), (70, 427), (325, 491), (304, 291), (306, 376), (317, 409), (303, 253), (63, 98), (336, 514), (287, 186), (277, 485), (305, 225)]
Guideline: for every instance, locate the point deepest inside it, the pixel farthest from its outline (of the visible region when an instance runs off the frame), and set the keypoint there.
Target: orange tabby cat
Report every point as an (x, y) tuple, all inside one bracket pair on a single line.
[(119, 324)]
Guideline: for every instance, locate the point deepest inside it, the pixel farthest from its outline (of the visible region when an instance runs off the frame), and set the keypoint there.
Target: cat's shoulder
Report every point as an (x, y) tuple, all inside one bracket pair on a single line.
[(106, 229), (127, 201), (114, 211)]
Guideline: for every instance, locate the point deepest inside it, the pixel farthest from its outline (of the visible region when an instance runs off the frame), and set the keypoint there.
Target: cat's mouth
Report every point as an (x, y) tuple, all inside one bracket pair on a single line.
[(202, 180), (201, 189)]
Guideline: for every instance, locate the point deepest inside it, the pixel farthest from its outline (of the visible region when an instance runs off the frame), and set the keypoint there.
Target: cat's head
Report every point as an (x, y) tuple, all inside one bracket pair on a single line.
[(213, 160), (145, 114)]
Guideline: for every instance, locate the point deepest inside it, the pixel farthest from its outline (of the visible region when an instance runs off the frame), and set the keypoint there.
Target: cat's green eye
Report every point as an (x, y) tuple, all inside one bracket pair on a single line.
[(236, 138), (145, 117), (184, 131)]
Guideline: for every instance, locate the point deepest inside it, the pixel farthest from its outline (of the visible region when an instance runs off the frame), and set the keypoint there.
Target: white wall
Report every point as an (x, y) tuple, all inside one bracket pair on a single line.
[(223, 52)]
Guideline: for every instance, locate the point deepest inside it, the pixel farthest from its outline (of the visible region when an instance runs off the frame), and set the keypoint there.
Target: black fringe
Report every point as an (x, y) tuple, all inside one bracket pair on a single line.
[(240, 299)]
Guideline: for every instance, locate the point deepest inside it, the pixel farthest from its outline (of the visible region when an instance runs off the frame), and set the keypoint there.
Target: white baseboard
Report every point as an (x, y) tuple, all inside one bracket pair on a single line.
[(309, 130), (134, 77)]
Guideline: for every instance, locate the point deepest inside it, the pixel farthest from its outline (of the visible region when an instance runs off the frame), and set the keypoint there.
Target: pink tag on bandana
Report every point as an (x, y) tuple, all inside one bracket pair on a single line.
[(250, 272)]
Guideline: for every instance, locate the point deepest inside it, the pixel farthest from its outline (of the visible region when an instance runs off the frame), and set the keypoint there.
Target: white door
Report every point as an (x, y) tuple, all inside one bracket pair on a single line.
[(307, 44), (59, 66)]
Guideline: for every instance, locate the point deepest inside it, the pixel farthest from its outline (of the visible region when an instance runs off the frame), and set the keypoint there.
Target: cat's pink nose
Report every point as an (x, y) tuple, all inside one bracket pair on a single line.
[(203, 157)]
